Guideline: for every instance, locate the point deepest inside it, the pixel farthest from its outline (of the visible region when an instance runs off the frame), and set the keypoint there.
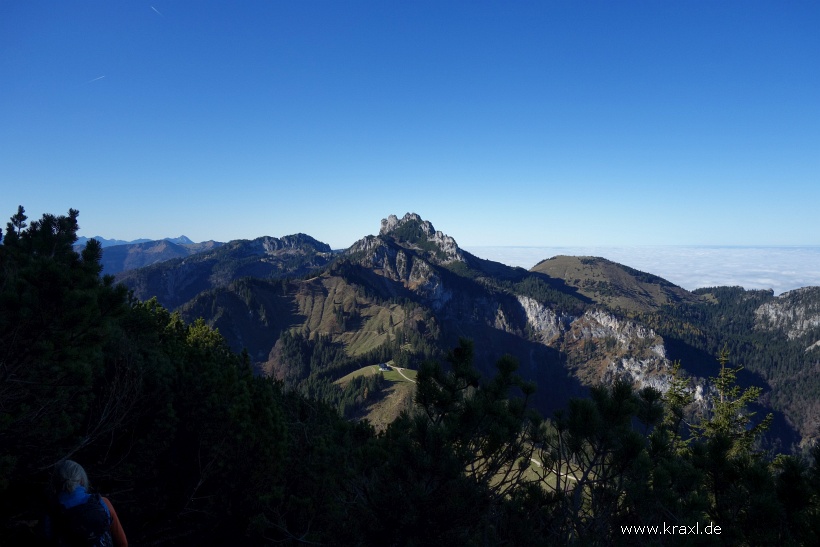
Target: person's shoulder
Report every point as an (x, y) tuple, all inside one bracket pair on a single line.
[(117, 533)]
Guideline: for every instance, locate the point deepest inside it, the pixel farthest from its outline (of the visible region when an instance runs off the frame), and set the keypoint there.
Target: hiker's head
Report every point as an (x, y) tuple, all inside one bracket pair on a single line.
[(68, 475)]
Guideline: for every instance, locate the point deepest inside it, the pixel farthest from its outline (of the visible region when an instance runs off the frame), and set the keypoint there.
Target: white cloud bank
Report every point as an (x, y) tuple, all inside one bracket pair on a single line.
[(778, 268)]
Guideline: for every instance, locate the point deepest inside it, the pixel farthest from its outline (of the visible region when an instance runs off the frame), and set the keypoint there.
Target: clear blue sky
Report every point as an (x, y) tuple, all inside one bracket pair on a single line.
[(503, 123)]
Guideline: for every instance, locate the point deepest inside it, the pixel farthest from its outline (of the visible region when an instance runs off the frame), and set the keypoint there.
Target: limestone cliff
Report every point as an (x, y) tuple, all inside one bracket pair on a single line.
[(420, 234), (794, 313)]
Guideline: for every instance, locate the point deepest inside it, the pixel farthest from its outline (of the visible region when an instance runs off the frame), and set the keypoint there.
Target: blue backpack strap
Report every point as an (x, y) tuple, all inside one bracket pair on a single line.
[(105, 506)]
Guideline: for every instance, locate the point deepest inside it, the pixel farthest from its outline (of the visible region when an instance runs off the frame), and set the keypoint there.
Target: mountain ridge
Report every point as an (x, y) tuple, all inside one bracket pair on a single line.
[(82, 240), (410, 292)]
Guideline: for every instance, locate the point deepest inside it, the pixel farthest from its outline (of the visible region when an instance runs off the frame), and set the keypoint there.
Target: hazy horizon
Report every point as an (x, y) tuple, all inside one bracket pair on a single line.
[(779, 268)]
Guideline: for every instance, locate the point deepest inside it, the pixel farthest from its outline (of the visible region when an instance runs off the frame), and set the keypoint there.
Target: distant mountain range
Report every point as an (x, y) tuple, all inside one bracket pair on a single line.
[(309, 316), (185, 274), (81, 241), (122, 256)]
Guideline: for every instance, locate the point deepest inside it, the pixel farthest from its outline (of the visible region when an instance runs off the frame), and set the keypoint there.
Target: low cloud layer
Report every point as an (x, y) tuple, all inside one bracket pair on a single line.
[(778, 268)]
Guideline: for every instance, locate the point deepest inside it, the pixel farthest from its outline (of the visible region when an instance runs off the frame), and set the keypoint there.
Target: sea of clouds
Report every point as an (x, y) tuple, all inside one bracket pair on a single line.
[(778, 268)]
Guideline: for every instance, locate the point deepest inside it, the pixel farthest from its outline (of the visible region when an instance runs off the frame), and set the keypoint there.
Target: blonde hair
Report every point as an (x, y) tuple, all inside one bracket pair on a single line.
[(68, 475)]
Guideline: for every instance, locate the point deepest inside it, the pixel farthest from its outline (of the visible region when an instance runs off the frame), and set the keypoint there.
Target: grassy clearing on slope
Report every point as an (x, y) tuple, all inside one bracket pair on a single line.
[(391, 375), (396, 376)]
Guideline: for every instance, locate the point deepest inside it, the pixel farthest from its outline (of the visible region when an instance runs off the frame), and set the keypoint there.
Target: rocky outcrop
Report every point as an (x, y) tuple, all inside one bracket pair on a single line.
[(426, 281), (642, 372), (617, 348), (606, 348), (794, 313), (547, 325), (447, 249), (374, 253), (603, 348), (300, 242), (628, 335), (392, 222), (397, 264)]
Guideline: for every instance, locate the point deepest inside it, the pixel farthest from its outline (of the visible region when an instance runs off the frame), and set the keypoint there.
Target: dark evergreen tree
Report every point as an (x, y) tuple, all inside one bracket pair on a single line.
[(731, 416)]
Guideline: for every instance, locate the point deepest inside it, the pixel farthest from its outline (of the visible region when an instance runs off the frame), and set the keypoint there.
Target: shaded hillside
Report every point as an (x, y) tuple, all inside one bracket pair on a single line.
[(253, 313), (175, 282), (119, 258)]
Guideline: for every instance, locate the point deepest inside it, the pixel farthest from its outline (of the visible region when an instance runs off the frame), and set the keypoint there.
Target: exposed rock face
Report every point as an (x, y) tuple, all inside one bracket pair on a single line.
[(425, 281), (609, 348), (373, 252), (396, 253), (392, 221), (643, 372), (396, 264), (543, 320), (271, 245), (365, 245), (597, 324), (621, 349), (794, 313), (446, 245)]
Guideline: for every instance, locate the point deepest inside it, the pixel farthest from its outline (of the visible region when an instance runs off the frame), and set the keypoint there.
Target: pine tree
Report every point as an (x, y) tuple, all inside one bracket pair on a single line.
[(731, 417), (17, 223)]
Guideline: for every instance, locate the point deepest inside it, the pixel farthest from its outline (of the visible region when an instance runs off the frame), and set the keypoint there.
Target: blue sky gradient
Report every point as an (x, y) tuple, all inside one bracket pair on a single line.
[(503, 123)]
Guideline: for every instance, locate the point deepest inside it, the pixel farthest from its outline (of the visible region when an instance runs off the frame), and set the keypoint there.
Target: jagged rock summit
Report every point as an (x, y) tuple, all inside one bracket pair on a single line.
[(296, 242), (392, 222), (411, 230)]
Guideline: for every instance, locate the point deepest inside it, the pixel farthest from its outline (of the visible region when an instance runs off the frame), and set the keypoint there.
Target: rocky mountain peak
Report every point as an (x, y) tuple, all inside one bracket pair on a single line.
[(295, 242), (392, 222), (181, 240), (411, 230)]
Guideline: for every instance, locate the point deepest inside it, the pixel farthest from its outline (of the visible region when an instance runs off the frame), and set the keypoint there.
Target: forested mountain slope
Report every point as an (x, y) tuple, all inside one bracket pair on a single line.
[(774, 337), (410, 292)]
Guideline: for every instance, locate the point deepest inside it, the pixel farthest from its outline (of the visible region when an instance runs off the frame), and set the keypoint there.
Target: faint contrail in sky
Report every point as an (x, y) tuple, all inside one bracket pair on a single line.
[(157, 11), (95, 79)]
